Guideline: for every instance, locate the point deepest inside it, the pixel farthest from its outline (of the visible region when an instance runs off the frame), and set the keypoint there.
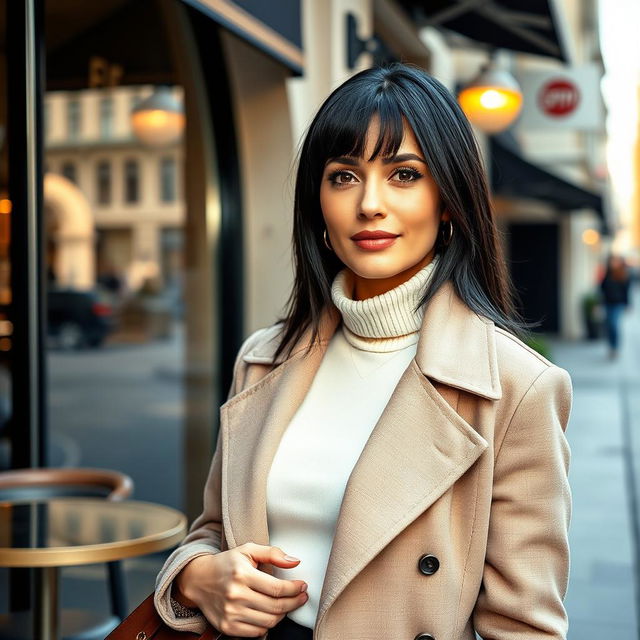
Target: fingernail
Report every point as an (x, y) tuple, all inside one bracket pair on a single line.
[(291, 559), (304, 587)]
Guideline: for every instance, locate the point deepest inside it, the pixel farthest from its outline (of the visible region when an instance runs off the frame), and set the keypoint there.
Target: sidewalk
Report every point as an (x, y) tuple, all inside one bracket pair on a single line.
[(604, 434)]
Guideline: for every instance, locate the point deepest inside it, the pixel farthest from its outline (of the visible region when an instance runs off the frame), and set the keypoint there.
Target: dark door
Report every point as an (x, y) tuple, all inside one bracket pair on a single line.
[(535, 269)]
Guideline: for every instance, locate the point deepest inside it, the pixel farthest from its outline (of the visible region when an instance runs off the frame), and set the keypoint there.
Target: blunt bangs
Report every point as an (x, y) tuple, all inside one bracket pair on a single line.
[(342, 130)]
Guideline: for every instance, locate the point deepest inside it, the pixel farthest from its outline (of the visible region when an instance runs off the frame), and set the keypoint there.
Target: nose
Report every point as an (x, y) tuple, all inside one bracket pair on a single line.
[(372, 203)]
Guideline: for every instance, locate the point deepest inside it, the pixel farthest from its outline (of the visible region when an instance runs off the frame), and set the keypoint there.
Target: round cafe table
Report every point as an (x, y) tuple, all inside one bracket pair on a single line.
[(49, 534)]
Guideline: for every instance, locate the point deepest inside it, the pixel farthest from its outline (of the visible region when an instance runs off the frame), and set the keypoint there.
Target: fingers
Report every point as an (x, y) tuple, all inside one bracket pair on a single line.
[(264, 553), (271, 586), (247, 613), (243, 601), (278, 605), (262, 610)]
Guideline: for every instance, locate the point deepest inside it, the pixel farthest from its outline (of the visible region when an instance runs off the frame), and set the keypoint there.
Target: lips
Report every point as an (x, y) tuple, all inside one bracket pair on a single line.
[(374, 240), (373, 235)]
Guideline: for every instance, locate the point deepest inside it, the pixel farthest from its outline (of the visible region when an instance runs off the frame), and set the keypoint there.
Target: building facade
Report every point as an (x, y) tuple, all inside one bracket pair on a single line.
[(113, 205)]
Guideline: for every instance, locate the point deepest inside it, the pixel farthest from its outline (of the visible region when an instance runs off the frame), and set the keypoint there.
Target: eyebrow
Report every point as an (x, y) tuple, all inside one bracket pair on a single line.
[(402, 157)]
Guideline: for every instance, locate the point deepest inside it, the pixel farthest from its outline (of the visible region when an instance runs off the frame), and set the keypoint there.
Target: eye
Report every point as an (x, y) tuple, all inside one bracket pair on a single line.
[(407, 174), (341, 177)]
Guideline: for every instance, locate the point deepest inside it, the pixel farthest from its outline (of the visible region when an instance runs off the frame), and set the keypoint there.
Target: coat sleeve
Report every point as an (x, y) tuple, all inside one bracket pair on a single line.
[(205, 534), (526, 568)]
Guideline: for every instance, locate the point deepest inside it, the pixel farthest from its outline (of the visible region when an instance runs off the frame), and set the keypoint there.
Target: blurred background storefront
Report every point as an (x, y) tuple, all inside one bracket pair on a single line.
[(146, 186), (159, 127)]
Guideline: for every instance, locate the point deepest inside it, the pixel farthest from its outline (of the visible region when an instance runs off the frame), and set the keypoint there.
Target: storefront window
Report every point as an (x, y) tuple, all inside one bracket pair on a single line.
[(168, 179), (131, 181), (128, 272), (103, 182), (69, 171)]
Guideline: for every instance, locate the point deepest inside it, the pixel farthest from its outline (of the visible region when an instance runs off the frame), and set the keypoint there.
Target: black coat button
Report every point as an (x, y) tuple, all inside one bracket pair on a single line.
[(428, 565), (424, 636)]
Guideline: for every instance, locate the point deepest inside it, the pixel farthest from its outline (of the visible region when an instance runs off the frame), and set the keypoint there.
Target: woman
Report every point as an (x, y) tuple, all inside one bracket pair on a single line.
[(615, 294), (390, 433)]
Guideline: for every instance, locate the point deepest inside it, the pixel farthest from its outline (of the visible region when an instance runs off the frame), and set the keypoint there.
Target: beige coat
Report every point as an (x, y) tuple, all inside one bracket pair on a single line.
[(468, 463)]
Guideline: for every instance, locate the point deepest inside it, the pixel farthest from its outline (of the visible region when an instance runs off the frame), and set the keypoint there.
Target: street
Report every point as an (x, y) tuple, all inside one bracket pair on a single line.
[(120, 407)]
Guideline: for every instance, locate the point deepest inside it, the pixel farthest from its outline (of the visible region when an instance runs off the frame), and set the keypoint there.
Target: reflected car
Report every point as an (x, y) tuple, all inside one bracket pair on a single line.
[(78, 319)]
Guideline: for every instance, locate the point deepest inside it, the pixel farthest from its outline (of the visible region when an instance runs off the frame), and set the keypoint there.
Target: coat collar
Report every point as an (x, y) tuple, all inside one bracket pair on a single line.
[(456, 346)]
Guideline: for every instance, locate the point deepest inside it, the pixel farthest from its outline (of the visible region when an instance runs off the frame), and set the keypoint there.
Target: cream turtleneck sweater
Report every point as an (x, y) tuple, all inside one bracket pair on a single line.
[(362, 365)]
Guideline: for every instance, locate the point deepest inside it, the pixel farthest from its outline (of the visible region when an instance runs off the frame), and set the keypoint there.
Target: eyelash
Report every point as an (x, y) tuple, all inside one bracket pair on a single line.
[(415, 174)]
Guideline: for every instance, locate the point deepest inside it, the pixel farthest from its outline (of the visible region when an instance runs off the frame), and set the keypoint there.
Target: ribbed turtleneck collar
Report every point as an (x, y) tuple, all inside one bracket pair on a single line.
[(386, 322)]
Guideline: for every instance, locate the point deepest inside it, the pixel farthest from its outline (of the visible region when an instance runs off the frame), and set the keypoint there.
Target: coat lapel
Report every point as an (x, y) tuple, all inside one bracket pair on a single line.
[(252, 424), (418, 448), (457, 347), (420, 445)]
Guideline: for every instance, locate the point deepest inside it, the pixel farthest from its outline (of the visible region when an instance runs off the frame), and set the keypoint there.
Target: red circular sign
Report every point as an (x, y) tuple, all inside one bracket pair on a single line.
[(558, 98)]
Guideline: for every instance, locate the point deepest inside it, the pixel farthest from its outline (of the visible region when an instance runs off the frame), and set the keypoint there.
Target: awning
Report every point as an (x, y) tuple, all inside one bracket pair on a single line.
[(274, 26), (514, 177), (530, 26), (131, 35)]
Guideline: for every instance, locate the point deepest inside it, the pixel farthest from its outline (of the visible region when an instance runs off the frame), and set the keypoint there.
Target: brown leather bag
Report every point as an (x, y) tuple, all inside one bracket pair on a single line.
[(144, 623)]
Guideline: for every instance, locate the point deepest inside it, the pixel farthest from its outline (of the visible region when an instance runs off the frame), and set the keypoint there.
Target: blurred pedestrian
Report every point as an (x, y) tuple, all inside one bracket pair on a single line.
[(391, 430), (615, 294)]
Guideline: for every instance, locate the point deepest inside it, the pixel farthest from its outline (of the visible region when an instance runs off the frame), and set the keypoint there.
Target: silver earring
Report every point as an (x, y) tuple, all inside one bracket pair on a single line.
[(446, 237), (326, 241)]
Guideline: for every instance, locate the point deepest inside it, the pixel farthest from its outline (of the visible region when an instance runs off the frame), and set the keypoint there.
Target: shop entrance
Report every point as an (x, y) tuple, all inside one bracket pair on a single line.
[(534, 264)]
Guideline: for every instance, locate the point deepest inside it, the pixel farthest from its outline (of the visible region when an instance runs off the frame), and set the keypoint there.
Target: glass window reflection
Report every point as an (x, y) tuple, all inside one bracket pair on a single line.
[(116, 306)]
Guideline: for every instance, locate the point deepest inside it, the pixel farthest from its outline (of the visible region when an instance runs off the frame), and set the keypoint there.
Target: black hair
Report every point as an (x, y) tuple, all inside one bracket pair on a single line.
[(472, 260)]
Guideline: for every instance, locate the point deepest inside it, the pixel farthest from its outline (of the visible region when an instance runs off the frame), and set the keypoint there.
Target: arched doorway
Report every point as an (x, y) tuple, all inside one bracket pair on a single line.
[(69, 233)]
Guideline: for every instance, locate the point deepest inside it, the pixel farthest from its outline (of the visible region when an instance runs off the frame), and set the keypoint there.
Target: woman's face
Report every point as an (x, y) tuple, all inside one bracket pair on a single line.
[(395, 195)]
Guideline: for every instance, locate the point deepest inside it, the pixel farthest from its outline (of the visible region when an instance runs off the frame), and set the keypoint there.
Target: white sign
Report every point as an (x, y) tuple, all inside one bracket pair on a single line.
[(564, 99)]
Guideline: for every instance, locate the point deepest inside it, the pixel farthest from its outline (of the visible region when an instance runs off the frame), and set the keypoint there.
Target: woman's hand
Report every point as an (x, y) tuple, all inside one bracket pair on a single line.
[(234, 595)]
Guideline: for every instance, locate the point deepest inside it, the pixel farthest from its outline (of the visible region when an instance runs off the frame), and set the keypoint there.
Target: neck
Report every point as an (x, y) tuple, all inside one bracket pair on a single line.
[(364, 288)]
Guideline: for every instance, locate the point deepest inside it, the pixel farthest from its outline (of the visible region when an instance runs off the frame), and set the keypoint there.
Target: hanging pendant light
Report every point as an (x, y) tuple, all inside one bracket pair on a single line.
[(492, 100), (158, 120)]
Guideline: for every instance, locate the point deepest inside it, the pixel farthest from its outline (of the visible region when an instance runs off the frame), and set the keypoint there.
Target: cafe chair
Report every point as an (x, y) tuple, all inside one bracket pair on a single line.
[(48, 483)]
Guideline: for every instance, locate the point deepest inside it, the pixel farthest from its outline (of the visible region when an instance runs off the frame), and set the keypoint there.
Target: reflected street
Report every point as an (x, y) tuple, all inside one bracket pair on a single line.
[(120, 407)]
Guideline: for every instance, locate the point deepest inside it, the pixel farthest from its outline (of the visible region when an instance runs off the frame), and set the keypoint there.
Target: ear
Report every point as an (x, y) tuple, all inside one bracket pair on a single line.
[(444, 214)]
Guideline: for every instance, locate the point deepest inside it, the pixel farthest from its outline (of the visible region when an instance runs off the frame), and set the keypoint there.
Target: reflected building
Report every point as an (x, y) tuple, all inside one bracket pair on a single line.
[(114, 206)]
